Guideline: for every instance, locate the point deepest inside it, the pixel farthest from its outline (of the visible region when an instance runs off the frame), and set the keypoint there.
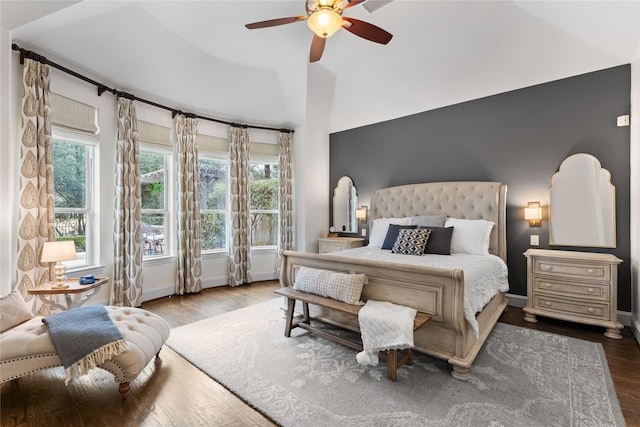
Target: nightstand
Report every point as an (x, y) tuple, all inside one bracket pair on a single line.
[(331, 244), (575, 286)]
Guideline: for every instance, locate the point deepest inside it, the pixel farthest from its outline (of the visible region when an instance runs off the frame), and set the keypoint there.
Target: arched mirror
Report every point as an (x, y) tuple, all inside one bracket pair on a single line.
[(345, 200), (582, 204)]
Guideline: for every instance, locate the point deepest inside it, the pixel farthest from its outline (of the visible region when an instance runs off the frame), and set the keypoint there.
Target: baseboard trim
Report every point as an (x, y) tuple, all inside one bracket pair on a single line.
[(635, 329), (214, 282), (624, 317)]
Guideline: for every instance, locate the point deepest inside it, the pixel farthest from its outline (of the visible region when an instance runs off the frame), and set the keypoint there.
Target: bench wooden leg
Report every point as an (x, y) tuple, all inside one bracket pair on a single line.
[(392, 365), (305, 311), (291, 303)]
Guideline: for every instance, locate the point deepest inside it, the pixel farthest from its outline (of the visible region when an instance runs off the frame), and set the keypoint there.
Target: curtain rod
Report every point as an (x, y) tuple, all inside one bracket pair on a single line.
[(24, 53)]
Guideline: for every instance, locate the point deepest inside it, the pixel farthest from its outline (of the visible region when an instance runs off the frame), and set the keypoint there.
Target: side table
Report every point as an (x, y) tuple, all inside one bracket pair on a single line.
[(73, 295)]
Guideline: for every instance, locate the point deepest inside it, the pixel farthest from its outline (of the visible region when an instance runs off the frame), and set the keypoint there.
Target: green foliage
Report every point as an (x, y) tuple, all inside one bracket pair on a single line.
[(213, 231), (264, 194), (69, 174), (80, 242)]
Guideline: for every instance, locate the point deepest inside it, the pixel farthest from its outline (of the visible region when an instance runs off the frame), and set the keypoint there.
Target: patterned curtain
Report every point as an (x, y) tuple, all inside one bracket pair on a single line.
[(127, 244), (285, 240), (189, 246), (239, 253), (36, 215)]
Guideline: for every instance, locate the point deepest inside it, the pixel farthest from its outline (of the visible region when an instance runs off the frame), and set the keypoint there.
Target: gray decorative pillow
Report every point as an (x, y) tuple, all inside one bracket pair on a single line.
[(411, 242), (13, 311), (339, 286), (429, 220)]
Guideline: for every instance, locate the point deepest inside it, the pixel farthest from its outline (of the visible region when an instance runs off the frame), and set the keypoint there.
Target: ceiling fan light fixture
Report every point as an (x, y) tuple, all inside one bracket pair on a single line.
[(324, 22)]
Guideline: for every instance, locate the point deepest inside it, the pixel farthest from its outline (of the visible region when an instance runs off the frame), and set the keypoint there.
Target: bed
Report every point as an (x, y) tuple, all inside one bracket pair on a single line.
[(438, 291)]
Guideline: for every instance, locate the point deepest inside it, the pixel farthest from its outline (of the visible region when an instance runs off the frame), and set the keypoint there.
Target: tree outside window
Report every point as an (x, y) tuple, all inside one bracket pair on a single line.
[(213, 203), (153, 174), (263, 203), (72, 173)]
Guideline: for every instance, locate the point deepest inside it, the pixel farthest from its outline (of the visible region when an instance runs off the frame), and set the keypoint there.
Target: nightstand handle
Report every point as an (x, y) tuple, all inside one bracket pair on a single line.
[(590, 290), (591, 271), (547, 285), (590, 310), (546, 267)]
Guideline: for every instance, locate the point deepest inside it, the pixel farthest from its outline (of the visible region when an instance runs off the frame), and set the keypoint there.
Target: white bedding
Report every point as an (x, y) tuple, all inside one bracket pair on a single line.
[(484, 275)]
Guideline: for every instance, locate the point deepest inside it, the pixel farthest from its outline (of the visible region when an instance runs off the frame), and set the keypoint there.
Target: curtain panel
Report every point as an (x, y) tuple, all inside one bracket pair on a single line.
[(127, 244), (36, 210), (188, 207), (239, 245), (285, 239)]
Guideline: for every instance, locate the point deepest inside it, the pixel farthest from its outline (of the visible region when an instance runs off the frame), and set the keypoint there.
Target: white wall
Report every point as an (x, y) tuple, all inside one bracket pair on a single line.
[(311, 161), (8, 184), (635, 194)]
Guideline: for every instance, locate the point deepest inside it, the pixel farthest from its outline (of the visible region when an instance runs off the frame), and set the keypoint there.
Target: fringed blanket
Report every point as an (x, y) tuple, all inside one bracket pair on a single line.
[(384, 326), (84, 338)]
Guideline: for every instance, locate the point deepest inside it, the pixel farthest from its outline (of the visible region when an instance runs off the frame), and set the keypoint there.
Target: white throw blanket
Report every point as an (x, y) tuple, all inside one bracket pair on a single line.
[(384, 326)]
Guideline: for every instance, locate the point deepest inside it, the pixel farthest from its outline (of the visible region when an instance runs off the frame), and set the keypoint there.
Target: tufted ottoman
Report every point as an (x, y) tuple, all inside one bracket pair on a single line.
[(27, 347)]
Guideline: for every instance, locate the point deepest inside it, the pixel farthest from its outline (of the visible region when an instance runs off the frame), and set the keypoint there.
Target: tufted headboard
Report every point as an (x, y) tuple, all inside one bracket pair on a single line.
[(463, 199)]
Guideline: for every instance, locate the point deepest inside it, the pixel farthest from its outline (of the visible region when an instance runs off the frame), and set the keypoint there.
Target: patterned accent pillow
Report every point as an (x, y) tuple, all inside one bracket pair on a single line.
[(339, 286), (13, 311), (411, 242)]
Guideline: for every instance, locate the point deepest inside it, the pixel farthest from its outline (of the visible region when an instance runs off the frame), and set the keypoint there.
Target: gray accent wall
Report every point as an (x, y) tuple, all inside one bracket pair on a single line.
[(518, 138)]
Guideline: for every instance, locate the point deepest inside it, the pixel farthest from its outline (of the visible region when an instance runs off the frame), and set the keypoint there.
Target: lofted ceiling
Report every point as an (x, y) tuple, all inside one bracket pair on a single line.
[(198, 56)]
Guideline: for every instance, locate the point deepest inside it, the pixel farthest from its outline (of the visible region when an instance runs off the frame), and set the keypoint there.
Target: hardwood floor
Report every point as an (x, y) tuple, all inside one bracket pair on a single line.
[(172, 392)]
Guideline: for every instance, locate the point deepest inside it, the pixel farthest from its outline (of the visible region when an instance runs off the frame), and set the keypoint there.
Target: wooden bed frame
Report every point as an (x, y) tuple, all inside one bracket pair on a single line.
[(438, 292)]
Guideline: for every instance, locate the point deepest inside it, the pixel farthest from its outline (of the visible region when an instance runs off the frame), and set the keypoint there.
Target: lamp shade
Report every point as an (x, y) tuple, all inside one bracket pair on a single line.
[(325, 22), (361, 213), (533, 214), (58, 251)]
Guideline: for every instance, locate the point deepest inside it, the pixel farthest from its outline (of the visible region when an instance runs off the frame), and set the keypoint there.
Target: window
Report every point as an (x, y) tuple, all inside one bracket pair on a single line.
[(213, 203), (263, 203), (154, 173), (73, 196)]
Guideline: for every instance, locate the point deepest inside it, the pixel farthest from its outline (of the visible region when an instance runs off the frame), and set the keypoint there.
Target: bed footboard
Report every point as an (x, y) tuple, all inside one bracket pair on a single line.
[(438, 292)]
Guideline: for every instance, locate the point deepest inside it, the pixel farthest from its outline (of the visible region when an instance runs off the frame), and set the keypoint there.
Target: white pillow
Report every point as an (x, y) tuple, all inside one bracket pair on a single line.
[(332, 284), (470, 236), (379, 229), (13, 311)]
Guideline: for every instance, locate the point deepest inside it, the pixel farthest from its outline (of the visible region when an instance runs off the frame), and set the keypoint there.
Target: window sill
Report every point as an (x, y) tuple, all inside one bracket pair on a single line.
[(159, 260), (96, 270)]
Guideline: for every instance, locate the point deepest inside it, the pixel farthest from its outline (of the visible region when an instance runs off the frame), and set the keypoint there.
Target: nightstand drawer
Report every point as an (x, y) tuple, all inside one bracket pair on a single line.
[(578, 289), (333, 246), (573, 270), (589, 309)]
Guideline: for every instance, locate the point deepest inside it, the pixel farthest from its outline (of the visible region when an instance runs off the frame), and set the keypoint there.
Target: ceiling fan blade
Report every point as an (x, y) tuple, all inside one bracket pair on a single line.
[(353, 3), (367, 31), (274, 22), (317, 47)]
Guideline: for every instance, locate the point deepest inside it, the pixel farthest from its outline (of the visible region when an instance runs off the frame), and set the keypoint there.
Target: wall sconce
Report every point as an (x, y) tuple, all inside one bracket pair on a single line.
[(362, 213), (56, 252), (533, 213)]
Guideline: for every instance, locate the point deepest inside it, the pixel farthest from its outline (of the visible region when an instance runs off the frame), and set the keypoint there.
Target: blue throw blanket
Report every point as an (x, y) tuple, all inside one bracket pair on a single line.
[(84, 338)]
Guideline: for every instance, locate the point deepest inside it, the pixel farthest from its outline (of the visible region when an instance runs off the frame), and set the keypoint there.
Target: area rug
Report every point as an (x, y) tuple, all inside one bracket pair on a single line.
[(522, 377)]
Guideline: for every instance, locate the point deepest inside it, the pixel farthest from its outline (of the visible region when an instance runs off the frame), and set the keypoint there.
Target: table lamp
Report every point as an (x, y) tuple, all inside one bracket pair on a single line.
[(57, 252)]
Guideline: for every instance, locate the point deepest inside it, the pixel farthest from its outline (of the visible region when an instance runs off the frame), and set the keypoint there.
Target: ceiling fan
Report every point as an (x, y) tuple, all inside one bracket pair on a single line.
[(324, 18)]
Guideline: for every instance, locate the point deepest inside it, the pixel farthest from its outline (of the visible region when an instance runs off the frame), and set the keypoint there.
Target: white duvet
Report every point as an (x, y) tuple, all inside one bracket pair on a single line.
[(484, 275)]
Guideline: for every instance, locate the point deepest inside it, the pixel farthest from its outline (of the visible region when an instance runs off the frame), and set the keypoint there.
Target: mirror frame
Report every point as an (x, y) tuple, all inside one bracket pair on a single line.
[(603, 190), (345, 200)]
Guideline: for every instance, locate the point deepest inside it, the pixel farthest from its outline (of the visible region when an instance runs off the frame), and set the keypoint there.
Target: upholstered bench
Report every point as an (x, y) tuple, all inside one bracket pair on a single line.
[(27, 347)]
